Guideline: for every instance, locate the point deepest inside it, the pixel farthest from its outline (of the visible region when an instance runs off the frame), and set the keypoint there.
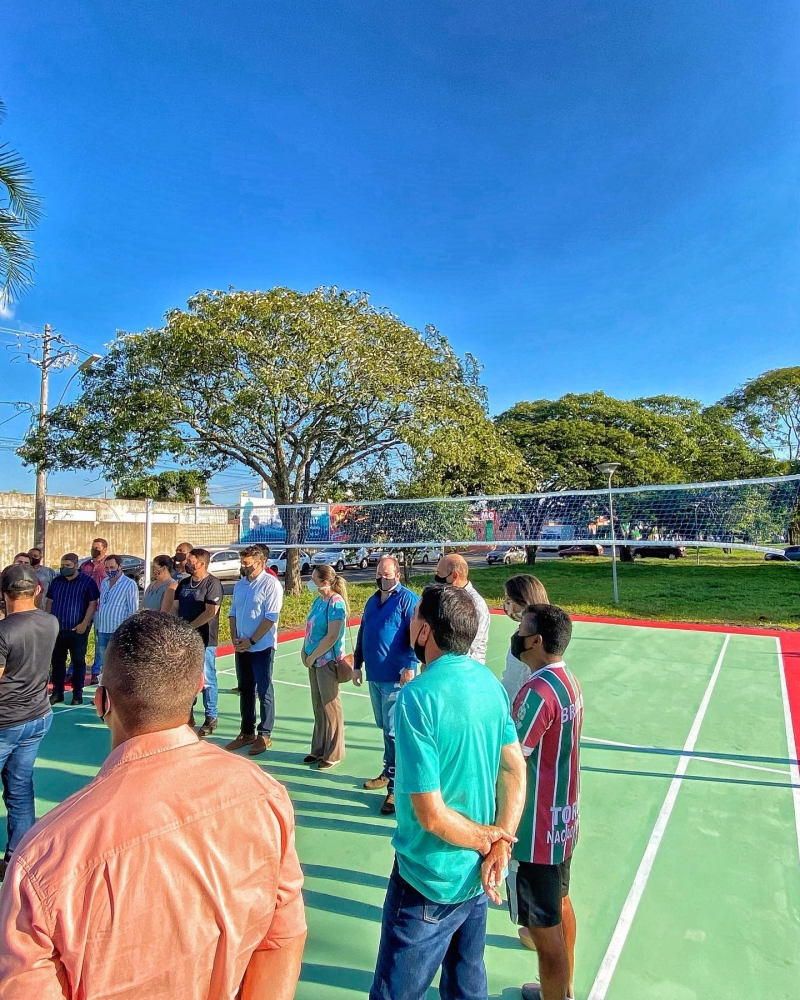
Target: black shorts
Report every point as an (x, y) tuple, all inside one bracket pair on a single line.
[(535, 892)]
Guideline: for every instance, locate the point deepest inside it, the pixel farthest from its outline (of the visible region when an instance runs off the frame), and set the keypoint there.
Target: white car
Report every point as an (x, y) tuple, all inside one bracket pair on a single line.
[(506, 554), (278, 563), (425, 555), (341, 559), (224, 563)]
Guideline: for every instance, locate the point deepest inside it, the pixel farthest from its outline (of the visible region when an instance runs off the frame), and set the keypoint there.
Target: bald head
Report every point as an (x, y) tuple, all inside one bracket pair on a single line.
[(453, 569)]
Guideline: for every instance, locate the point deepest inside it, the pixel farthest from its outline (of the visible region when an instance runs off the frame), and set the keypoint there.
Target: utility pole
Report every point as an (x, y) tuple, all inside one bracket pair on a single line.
[(40, 515)]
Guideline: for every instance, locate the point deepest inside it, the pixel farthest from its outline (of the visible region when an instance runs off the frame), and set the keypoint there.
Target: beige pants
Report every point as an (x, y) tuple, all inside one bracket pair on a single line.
[(327, 741)]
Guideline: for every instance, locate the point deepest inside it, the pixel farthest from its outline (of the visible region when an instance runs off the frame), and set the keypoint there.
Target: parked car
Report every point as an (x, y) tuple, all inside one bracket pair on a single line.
[(132, 566), (224, 563), (580, 550), (659, 552), (278, 563), (506, 555), (424, 555), (789, 554), (341, 559)]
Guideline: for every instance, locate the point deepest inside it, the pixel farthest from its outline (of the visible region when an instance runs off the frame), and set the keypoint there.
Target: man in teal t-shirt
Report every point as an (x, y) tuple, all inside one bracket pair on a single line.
[(459, 789)]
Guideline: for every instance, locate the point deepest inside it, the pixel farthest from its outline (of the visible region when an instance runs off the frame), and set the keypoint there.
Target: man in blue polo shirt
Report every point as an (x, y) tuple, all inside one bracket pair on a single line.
[(72, 597), (460, 791), (384, 647)]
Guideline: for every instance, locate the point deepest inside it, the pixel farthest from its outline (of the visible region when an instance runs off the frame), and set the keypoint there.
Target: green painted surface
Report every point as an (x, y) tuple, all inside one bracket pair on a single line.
[(720, 916)]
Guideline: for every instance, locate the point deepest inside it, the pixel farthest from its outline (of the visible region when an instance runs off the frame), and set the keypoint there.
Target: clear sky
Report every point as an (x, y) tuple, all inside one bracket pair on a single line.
[(586, 195)]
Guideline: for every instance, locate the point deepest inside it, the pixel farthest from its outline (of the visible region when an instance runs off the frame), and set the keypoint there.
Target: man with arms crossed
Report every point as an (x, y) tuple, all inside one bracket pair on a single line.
[(72, 598), (27, 638), (173, 874), (548, 712), (459, 788), (384, 647)]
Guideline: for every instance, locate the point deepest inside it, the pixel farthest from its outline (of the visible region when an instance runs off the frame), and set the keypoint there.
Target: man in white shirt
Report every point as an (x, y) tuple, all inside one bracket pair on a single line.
[(255, 609), (453, 569)]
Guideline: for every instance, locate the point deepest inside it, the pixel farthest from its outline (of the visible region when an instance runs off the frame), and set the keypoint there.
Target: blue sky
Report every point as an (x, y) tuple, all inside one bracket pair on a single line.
[(586, 195)]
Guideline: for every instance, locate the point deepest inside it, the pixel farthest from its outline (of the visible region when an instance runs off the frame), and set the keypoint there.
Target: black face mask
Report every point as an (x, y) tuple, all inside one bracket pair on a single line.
[(35, 562), (95, 553), (440, 579), (419, 652), (518, 646)]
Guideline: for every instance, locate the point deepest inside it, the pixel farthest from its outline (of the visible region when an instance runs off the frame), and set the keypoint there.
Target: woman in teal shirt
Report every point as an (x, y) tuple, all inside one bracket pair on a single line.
[(324, 644)]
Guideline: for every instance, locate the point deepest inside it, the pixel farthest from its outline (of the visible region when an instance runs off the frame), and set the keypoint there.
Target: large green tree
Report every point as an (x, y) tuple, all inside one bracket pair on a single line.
[(20, 211), (660, 439), (304, 389), (174, 485), (767, 411)]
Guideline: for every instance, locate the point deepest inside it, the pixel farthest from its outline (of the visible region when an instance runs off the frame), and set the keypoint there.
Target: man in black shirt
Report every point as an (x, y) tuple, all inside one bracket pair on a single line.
[(27, 638), (198, 598)]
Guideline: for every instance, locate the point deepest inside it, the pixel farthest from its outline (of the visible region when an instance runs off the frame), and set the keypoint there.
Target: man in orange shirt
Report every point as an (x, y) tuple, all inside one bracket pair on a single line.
[(173, 875)]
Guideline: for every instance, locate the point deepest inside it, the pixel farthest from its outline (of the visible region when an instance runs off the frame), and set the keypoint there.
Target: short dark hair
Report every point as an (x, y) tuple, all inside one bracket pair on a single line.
[(252, 552), (262, 548), (202, 554), (552, 623), (452, 616), (117, 559), (152, 669), (164, 560), (71, 557), (34, 548)]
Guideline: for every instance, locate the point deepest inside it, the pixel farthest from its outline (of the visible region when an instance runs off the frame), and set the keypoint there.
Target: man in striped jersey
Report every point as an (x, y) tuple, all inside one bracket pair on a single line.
[(548, 713)]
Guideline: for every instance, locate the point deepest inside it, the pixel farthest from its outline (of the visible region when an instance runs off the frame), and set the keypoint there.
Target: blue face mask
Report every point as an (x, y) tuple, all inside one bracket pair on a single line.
[(113, 572), (313, 588), (68, 571)]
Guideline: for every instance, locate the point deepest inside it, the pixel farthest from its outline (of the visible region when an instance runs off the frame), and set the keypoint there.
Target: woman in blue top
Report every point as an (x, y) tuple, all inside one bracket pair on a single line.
[(324, 644)]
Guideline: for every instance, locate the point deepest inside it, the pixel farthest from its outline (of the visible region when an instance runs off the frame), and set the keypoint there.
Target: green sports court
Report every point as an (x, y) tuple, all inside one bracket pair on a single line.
[(686, 880)]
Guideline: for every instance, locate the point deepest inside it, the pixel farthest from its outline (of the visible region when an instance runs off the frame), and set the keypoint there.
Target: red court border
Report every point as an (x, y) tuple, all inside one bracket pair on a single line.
[(789, 644)]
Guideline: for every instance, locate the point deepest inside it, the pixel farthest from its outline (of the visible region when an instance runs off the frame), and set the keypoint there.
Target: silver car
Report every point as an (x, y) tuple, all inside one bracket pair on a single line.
[(224, 563), (341, 559)]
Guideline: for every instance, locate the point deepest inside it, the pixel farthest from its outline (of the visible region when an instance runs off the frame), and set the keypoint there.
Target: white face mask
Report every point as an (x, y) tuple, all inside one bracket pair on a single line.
[(312, 587)]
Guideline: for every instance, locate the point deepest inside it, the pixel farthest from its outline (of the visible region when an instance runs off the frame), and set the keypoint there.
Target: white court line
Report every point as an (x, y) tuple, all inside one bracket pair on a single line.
[(710, 760), (787, 719), (621, 931)]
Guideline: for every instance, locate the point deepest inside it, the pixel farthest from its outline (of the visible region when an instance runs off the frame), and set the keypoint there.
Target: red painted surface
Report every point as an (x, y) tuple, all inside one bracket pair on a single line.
[(790, 647)]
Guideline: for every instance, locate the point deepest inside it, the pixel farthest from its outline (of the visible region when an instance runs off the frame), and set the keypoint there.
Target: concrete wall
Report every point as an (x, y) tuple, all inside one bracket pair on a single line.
[(72, 523)]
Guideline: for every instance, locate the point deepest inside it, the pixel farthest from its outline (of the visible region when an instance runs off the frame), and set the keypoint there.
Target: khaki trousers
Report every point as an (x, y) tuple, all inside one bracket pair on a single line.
[(327, 741)]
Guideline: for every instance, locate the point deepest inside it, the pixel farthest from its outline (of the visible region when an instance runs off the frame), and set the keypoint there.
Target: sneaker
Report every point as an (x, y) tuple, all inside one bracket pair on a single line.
[(310, 759), (260, 744), (56, 699), (380, 782), (242, 740), (208, 727), (76, 699), (95, 679), (387, 809), (234, 690), (326, 765)]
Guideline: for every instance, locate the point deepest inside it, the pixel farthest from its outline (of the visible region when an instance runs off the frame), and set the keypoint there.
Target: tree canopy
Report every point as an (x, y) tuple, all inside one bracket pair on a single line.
[(767, 411), (661, 439), (175, 485)]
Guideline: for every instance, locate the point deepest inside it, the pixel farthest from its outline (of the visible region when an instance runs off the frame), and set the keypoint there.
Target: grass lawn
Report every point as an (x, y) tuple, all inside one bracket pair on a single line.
[(739, 588)]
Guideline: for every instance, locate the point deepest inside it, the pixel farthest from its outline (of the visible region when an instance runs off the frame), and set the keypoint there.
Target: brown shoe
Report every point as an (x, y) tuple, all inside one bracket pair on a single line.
[(234, 690), (387, 809), (208, 727), (242, 740), (326, 765), (261, 744), (380, 782)]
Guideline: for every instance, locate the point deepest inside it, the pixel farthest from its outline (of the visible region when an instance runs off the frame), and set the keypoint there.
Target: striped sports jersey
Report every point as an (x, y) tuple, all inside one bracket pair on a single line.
[(548, 713)]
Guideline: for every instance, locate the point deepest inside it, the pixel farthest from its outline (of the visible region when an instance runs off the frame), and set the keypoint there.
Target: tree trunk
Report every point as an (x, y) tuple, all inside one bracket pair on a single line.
[(293, 581), (408, 565), (530, 554)]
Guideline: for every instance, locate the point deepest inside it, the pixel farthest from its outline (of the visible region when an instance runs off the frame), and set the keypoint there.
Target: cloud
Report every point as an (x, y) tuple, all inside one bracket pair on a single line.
[(6, 309)]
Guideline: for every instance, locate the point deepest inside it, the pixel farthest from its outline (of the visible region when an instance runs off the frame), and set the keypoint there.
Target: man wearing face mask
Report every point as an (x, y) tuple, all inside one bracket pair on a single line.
[(119, 599), (384, 648), (454, 570), (96, 569), (548, 712), (460, 789), (72, 597), (174, 872), (44, 574), (255, 609), (179, 560)]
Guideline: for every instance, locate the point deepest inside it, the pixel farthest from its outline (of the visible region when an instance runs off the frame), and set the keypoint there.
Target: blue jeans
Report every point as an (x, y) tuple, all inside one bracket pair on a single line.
[(384, 695), (18, 748), (101, 641), (254, 677), (210, 689), (418, 936)]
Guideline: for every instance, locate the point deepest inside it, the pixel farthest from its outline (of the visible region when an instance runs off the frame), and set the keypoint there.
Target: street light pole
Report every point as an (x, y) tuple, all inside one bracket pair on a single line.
[(608, 469), (40, 514)]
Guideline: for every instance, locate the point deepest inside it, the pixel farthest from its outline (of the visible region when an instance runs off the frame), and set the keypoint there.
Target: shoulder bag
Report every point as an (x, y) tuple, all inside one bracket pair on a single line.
[(344, 663)]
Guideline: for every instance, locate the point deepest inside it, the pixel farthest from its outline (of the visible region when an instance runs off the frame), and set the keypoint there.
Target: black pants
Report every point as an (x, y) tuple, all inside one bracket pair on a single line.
[(74, 644)]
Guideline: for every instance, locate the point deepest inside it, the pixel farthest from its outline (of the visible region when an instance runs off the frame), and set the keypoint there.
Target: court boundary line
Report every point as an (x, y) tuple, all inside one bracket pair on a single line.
[(624, 923), (789, 723)]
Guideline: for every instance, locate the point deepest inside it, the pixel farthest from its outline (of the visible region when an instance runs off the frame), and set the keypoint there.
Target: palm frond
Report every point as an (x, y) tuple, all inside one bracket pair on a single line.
[(16, 179), (17, 259)]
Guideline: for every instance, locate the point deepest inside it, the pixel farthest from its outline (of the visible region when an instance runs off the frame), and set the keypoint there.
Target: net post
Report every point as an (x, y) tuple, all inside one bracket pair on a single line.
[(148, 540)]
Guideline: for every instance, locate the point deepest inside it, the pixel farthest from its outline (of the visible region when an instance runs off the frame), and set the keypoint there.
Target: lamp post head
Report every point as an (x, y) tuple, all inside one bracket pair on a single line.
[(608, 468), (84, 366)]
